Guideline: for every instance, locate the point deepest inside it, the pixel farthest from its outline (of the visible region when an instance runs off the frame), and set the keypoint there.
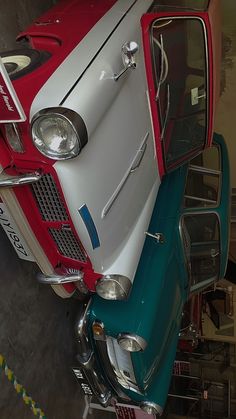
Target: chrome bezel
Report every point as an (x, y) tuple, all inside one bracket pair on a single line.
[(15, 129), (75, 121), (122, 281), (137, 339), (156, 408)]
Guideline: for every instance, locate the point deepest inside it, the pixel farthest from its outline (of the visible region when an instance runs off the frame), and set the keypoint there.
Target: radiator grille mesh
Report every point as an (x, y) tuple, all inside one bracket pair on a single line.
[(67, 244), (48, 199)]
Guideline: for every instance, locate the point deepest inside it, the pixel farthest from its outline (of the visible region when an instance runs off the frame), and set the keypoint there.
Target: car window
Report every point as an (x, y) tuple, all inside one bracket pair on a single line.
[(204, 180), (181, 83), (165, 5), (201, 239)]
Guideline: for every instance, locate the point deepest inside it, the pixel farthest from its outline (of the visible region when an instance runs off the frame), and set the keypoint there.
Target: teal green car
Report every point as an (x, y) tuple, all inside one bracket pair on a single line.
[(126, 350)]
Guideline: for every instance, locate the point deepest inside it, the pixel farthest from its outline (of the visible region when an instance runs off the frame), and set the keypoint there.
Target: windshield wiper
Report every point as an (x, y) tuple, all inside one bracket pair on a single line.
[(167, 112)]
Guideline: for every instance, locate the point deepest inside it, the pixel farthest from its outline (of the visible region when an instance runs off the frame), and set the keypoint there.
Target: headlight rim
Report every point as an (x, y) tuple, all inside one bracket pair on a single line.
[(157, 409), (121, 280), (75, 121), (142, 343)]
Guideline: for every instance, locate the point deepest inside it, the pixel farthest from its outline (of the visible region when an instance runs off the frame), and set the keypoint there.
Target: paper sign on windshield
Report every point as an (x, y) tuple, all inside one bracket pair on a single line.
[(10, 107)]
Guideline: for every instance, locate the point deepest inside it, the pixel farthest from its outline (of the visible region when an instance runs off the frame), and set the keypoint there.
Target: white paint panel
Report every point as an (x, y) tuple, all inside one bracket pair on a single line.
[(117, 117)]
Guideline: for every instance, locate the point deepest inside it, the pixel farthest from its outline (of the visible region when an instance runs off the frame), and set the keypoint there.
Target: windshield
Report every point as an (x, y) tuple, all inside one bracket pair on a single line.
[(180, 76)]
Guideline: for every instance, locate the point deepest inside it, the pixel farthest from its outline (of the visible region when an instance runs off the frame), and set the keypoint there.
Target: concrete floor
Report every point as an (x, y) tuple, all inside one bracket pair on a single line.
[(36, 335), (36, 326)]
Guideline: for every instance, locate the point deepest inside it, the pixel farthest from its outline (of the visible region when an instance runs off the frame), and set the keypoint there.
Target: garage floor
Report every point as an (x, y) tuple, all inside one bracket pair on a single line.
[(36, 335), (36, 326)]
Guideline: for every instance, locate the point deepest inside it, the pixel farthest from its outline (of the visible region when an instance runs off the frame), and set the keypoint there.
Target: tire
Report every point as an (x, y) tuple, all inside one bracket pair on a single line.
[(20, 62)]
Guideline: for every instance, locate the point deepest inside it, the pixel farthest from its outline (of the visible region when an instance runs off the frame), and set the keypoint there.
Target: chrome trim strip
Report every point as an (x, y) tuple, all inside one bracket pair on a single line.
[(133, 167), (12, 181), (203, 169)]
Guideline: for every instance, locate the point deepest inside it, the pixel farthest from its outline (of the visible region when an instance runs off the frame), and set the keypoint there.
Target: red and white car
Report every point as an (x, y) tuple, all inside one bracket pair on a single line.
[(108, 97)]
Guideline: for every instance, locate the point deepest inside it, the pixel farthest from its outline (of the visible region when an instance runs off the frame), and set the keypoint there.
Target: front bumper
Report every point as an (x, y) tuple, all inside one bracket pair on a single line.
[(88, 366), (106, 389), (36, 207), (11, 203)]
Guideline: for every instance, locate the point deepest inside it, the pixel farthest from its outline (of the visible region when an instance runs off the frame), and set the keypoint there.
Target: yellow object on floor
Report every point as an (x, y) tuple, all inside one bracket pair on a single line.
[(20, 389)]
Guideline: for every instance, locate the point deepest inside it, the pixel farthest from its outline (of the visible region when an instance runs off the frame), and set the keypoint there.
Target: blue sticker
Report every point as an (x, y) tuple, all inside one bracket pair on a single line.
[(89, 224)]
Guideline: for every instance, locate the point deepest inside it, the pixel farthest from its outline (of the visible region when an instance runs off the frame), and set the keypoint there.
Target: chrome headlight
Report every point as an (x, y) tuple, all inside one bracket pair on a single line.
[(114, 287), (151, 408), (131, 342), (59, 133)]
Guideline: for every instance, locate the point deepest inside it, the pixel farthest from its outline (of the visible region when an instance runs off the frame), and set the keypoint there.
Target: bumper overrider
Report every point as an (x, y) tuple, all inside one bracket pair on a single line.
[(96, 371)]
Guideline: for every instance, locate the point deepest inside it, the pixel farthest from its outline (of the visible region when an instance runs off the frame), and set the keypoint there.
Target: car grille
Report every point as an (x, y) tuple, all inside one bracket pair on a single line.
[(122, 365), (48, 199), (52, 209), (67, 244)]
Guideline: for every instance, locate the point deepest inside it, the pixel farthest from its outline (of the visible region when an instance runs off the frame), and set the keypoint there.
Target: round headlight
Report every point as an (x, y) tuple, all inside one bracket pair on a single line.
[(114, 287), (131, 342), (151, 408), (59, 133)]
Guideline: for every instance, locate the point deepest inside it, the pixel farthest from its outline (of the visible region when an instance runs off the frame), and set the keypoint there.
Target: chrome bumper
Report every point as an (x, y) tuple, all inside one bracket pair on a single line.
[(105, 389), (11, 181), (87, 361)]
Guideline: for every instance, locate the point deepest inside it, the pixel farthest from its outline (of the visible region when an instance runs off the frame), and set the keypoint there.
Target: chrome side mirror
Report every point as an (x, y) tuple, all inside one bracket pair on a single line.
[(128, 51)]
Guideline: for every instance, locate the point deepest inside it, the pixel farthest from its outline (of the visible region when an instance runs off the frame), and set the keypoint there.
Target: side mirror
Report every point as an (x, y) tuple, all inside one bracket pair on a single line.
[(128, 51)]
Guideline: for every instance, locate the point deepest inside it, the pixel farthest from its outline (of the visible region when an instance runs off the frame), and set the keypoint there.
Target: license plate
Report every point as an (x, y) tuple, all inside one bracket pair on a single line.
[(83, 381), (13, 234)]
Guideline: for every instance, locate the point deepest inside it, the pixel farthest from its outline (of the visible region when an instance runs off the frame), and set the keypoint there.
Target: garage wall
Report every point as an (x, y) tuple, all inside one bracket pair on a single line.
[(20, 14), (226, 113)]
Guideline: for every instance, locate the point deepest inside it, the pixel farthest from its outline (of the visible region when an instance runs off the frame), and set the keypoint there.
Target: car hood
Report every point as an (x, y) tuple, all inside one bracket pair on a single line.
[(73, 67)]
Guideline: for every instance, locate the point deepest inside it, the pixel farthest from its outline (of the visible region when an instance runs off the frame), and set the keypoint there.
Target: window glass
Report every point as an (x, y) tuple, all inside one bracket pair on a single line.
[(180, 74), (203, 180), (201, 238)]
